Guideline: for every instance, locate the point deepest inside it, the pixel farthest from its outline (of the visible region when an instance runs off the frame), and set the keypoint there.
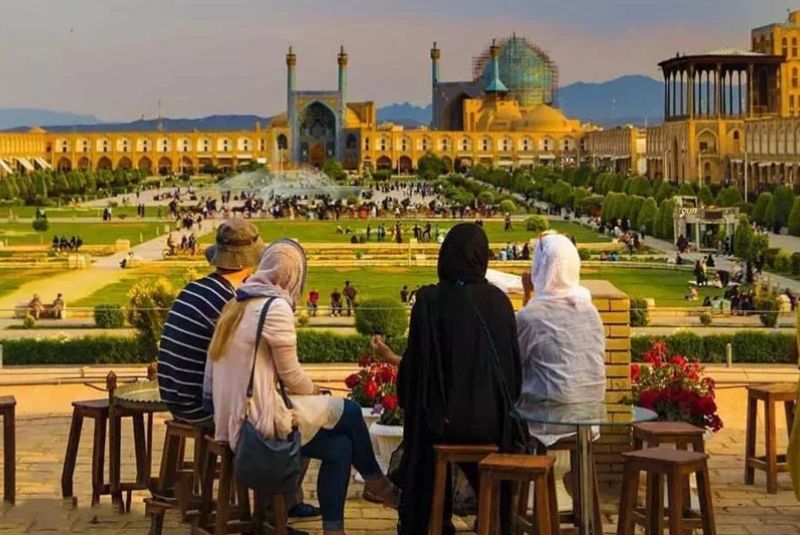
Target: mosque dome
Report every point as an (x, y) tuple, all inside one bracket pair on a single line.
[(544, 118), (37, 130), (281, 119), (498, 115), (529, 74)]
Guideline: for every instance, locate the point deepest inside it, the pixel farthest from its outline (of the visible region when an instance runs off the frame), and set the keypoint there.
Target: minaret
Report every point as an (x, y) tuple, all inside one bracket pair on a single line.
[(435, 55), (495, 85), (291, 112), (342, 58)]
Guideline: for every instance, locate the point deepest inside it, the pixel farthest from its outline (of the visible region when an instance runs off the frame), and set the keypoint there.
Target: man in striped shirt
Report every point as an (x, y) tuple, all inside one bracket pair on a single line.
[(193, 316)]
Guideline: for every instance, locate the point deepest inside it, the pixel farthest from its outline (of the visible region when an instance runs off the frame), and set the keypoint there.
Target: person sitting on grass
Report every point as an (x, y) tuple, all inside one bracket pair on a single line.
[(692, 295)]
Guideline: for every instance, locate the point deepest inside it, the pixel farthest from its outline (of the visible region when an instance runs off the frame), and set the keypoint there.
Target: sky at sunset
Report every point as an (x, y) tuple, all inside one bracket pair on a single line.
[(115, 59)]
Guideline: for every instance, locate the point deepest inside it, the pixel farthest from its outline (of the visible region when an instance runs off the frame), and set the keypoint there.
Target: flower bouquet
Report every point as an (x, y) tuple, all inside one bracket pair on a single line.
[(374, 387), (675, 388)]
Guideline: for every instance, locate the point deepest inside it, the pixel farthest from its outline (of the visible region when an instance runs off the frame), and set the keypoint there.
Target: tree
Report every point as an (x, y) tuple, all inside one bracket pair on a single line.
[(388, 317), (636, 203), (334, 170), (647, 214), (664, 225), (686, 189), (431, 167), (748, 245), (560, 194), (759, 213), (729, 196), (705, 196), (639, 185), (794, 218), (150, 302), (777, 213), (41, 224), (664, 191)]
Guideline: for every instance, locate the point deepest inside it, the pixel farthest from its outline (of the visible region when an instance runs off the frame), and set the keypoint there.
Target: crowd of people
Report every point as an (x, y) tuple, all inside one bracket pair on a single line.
[(186, 246), (468, 361)]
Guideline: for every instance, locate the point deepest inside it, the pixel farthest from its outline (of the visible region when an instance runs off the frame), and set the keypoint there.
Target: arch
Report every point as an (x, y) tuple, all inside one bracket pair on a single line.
[(462, 165), (124, 163), (448, 163), (384, 162), (186, 165), (526, 144), (706, 171), (506, 144), (203, 144), (405, 165), (736, 141), (82, 145), (283, 142), (104, 164), (244, 144), (465, 144), (145, 164), (445, 144), (424, 144), (707, 141), (350, 142), (567, 144), (185, 144), (224, 144), (163, 145), (317, 133), (384, 143), (103, 144), (404, 144), (164, 166), (64, 164), (123, 144), (84, 164), (486, 144), (62, 145), (547, 144)]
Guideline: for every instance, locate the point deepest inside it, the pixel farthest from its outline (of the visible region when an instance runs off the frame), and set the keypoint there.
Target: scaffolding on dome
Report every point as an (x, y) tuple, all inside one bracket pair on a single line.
[(528, 72)]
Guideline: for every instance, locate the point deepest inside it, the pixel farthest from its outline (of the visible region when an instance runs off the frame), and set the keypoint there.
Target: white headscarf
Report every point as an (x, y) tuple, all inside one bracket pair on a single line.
[(556, 272), (281, 273)]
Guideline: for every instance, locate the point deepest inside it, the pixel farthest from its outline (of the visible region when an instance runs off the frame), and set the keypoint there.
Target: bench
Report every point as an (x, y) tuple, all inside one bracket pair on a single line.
[(48, 311)]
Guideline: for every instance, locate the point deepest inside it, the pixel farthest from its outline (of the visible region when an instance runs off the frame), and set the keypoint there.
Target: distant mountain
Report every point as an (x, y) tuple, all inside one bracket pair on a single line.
[(203, 124), (16, 117), (628, 99), (405, 114)]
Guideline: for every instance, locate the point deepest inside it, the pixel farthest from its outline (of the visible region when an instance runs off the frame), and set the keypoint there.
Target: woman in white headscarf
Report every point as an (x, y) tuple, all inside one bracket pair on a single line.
[(331, 429), (561, 337)]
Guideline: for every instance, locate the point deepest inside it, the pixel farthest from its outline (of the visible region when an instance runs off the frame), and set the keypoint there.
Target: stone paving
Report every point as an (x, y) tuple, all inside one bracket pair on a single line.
[(41, 440)]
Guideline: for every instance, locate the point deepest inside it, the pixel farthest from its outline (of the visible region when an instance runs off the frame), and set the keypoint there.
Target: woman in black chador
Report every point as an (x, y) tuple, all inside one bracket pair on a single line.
[(460, 374)]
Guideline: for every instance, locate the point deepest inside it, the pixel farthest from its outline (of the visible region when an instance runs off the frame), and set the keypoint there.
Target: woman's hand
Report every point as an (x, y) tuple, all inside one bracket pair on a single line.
[(382, 351)]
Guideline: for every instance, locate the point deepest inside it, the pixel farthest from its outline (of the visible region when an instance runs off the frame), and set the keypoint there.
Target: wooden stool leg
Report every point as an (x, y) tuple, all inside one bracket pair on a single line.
[(169, 464), (771, 453), (207, 491), (279, 508), (542, 506), (10, 457), (655, 505), (630, 488), (72, 454), (675, 491), (224, 495), (598, 518), (140, 448), (485, 505), (437, 505), (98, 459), (750, 445), (706, 502), (555, 524)]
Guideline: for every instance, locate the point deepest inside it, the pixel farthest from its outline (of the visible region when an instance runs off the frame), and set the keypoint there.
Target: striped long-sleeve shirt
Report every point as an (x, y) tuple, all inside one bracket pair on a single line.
[(184, 344)]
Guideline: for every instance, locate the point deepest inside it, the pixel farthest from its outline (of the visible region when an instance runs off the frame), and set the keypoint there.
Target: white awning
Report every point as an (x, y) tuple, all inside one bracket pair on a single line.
[(42, 163), (547, 156), (4, 166), (736, 160), (26, 164)]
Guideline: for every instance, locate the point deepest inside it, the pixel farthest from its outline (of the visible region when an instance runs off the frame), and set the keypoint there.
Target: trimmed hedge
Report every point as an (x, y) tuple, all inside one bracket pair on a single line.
[(312, 346), (751, 347), (109, 316)]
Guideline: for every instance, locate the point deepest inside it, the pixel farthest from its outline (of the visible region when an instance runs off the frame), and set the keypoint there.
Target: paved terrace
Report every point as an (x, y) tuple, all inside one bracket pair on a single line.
[(43, 423)]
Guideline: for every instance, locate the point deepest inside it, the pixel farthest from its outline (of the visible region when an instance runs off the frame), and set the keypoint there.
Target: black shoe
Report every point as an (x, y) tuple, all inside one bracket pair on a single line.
[(304, 510)]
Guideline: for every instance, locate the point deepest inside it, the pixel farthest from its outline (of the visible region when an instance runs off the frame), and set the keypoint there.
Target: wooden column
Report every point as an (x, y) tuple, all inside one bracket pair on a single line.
[(718, 90), (690, 92), (750, 91)]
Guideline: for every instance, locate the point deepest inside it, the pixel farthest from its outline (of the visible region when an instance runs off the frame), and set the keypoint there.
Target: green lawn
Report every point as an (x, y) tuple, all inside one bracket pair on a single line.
[(78, 212), (325, 231), (13, 278), (96, 233), (667, 287)]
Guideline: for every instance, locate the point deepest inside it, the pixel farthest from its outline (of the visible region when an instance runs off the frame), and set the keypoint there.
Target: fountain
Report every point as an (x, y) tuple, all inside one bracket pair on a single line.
[(305, 182)]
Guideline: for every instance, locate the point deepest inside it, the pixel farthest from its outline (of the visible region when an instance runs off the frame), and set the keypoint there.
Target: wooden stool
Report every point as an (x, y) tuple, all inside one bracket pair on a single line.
[(97, 410), (7, 407), (771, 462), (681, 434), (445, 455), (522, 469), (232, 511), (676, 465), (175, 471), (573, 517)]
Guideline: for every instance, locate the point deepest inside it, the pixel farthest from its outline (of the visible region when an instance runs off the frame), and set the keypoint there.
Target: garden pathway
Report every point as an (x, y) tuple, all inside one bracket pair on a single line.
[(79, 283)]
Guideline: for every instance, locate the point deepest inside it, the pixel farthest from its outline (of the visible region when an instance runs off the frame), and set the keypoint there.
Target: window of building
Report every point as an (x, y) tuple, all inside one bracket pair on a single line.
[(794, 77), (794, 47), (791, 104), (485, 144), (785, 47), (383, 144), (703, 146), (366, 143)]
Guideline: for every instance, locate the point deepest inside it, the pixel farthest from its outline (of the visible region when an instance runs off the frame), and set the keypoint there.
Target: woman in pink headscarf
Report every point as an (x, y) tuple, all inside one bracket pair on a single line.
[(561, 337)]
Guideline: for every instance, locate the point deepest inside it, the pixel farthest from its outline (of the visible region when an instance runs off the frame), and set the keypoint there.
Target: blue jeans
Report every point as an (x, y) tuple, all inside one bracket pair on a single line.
[(346, 445)]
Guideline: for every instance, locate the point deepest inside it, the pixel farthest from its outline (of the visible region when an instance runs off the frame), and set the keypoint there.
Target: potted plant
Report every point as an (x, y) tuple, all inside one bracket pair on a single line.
[(675, 388)]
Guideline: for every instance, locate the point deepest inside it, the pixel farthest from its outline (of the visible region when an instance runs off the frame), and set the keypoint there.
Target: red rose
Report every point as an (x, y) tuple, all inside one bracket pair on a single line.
[(390, 402), (365, 361), (678, 361), (635, 372), (352, 381), (649, 399), (371, 389), (386, 374)]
